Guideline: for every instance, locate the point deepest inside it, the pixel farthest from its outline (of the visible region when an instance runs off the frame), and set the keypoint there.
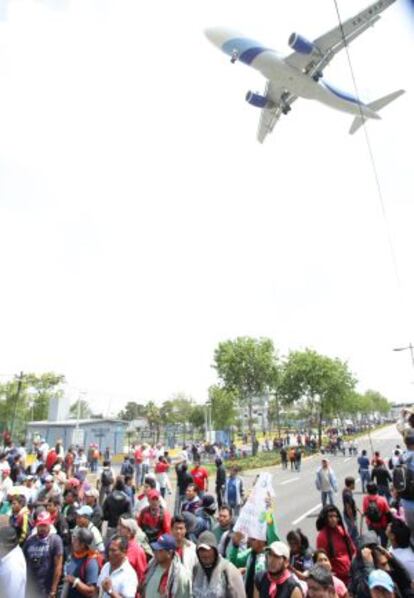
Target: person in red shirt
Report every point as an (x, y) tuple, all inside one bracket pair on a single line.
[(161, 471), (200, 477), (335, 541), (154, 520), (377, 512), (136, 556), (51, 460)]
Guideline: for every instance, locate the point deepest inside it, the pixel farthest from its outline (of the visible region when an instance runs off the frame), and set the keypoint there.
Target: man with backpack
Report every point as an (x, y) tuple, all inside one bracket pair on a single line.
[(377, 512), (82, 568), (105, 481), (127, 468), (382, 477)]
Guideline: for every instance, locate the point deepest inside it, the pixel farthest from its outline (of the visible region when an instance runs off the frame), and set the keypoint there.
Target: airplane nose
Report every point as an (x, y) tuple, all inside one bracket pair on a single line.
[(219, 35)]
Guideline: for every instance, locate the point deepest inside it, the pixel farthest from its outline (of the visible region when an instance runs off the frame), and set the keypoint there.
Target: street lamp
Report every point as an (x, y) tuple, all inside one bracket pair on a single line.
[(410, 347)]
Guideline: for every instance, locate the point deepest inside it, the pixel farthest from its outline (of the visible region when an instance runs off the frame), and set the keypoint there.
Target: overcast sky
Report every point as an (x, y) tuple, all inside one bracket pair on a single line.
[(142, 223)]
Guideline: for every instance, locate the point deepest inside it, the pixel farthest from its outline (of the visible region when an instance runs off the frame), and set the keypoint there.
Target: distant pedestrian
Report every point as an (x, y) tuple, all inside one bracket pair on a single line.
[(234, 491), (292, 456), (326, 482), (220, 481), (363, 470), (284, 457)]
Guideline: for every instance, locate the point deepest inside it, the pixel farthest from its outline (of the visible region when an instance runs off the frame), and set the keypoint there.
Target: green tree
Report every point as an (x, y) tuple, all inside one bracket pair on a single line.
[(378, 402), (223, 407), (154, 417), (132, 411), (246, 366), (196, 417), (83, 407), (27, 397), (319, 383)]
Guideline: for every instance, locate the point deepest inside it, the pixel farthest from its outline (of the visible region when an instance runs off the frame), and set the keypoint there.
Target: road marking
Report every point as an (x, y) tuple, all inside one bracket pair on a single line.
[(302, 517), (289, 481), (346, 460)]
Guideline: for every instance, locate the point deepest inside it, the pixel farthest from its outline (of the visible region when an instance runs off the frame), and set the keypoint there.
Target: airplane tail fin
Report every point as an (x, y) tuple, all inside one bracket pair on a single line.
[(375, 107)]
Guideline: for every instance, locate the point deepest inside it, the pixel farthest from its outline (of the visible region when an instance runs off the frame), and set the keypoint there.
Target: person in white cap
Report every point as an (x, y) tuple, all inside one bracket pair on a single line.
[(381, 585), (83, 520), (277, 580)]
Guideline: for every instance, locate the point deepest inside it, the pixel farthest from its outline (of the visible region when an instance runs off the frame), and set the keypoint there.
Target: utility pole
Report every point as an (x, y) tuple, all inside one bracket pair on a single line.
[(20, 378)]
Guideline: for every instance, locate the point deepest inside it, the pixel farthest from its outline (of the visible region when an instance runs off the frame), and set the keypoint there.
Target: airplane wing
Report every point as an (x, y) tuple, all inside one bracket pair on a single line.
[(279, 102), (332, 42)]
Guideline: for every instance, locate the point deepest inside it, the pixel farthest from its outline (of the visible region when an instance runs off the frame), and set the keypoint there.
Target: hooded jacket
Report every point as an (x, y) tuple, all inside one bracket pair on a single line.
[(116, 504), (222, 580)]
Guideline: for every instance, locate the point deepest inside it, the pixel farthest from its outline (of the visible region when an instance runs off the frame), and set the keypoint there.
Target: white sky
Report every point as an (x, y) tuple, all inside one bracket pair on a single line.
[(141, 222)]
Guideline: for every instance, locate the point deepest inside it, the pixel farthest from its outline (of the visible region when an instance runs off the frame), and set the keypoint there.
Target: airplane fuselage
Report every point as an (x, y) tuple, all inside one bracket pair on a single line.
[(273, 67)]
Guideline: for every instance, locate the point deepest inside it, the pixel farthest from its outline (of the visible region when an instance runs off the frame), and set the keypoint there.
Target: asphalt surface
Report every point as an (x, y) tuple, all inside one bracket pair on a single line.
[(297, 500)]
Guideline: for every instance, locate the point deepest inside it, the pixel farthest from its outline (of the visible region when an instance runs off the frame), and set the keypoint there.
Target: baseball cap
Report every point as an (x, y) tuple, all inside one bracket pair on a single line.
[(165, 542), (48, 478), (380, 579), (152, 494), (92, 492), (85, 511), (279, 549), (43, 519), (74, 482)]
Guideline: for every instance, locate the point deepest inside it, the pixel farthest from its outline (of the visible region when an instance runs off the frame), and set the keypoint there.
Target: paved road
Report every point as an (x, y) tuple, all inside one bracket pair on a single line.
[(298, 501)]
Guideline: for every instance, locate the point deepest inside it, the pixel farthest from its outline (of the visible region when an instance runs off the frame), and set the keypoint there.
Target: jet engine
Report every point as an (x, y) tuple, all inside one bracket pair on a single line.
[(255, 99), (301, 44)]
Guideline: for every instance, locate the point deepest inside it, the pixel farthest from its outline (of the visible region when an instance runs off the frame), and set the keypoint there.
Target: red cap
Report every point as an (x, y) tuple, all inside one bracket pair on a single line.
[(43, 519), (153, 494), (74, 482)]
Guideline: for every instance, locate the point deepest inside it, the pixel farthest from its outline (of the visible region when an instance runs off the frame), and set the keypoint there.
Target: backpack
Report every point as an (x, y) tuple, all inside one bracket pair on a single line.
[(107, 477), (403, 480), (373, 512), (127, 468), (98, 557)]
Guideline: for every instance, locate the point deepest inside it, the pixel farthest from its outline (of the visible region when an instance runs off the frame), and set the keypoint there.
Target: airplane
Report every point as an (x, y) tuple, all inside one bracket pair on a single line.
[(300, 74)]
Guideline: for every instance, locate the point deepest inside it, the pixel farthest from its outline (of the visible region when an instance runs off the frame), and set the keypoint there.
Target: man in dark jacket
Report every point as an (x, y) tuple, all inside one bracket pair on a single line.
[(220, 481), (117, 503), (184, 479), (382, 477)]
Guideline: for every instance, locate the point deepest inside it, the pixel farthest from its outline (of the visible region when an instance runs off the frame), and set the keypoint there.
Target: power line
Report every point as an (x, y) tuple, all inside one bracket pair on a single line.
[(370, 153)]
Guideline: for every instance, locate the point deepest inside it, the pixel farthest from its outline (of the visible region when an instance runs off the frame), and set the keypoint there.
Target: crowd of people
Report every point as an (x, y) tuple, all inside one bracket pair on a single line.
[(73, 525)]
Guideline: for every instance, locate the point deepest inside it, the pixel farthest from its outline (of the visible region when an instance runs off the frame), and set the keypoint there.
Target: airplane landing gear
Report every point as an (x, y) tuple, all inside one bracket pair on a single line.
[(234, 56), (285, 106)]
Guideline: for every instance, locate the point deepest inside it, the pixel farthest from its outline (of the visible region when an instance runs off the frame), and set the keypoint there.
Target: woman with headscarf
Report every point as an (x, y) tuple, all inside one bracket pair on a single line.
[(335, 540)]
